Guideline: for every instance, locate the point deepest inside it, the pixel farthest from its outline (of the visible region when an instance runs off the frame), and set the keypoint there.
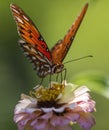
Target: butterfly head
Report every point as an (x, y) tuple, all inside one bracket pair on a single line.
[(57, 68)]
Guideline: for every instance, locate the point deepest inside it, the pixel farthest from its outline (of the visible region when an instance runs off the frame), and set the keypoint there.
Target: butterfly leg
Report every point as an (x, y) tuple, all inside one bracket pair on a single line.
[(41, 81), (63, 78), (36, 87), (65, 73), (50, 79), (61, 75), (57, 77)]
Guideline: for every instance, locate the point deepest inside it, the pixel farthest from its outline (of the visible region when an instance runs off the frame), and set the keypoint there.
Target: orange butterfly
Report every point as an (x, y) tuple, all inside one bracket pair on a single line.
[(45, 61)]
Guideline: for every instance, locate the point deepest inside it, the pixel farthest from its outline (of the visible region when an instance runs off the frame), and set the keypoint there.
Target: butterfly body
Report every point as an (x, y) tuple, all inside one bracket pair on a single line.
[(45, 61)]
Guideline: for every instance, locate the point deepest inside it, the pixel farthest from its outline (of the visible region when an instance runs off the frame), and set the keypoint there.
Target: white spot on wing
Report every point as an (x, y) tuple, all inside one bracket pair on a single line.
[(47, 65), (40, 53), (26, 53), (49, 62), (37, 68), (19, 20), (26, 47), (33, 58), (16, 11), (42, 60), (22, 41), (34, 51), (25, 18)]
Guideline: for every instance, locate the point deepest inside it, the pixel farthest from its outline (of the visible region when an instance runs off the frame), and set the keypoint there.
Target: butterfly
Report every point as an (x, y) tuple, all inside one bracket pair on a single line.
[(45, 61)]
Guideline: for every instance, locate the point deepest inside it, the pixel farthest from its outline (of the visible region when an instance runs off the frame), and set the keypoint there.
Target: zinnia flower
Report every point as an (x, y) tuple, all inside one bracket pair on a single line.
[(56, 107)]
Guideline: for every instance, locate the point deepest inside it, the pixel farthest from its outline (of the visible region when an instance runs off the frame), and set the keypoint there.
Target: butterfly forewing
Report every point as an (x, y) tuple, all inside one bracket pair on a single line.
[(60, 50), (28, 31), (32, 42)]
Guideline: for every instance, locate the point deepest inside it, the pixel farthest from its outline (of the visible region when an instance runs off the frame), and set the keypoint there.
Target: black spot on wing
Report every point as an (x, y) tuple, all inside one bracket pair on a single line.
[(30, 36), (40, 38), (21, 32), (29, 31)]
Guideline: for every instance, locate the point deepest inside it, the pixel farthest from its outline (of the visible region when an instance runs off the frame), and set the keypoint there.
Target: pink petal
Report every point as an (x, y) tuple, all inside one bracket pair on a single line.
[(64, 127), (72, 116), (81, 90), (21, 116), (40, 124), (55, 120), (46, 116), (87, 106), (86, 121), (20, 127), (49, 127), (59, 120), (85, 97)]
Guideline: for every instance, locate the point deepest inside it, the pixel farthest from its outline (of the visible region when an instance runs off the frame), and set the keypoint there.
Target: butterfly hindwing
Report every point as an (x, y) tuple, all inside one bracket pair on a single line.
[(40, 62), (60, 50)]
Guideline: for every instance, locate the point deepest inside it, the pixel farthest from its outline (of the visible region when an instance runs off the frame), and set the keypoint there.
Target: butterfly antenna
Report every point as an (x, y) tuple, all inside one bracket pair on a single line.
[(88, 56)]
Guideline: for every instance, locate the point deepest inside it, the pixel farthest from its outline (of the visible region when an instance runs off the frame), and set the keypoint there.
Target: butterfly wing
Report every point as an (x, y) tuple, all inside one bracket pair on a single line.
[(33, 43), (40, 62), (60, 50)]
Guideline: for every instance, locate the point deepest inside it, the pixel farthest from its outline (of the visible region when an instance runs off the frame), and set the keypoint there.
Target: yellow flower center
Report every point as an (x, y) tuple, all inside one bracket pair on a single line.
[(48, 94)]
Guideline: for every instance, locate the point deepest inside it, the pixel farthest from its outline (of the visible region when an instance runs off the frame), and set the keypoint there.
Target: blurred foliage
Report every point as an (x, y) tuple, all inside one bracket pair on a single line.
[(96, 81), (53, 18)]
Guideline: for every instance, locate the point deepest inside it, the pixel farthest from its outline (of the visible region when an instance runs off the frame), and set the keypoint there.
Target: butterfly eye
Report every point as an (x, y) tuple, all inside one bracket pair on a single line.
[(58, 68)]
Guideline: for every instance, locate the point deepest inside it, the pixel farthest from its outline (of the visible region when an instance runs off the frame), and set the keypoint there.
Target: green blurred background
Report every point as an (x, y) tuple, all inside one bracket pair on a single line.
[(53, 18)]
